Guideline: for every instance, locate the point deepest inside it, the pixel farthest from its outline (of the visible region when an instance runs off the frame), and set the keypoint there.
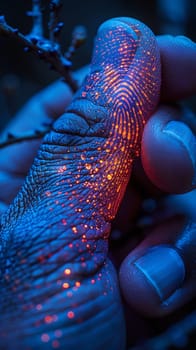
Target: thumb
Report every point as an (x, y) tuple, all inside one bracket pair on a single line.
[(100, 133), (60, 221)]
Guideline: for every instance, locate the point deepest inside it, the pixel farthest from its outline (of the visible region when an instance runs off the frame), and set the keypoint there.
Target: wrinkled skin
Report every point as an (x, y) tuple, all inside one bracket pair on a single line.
[(55, 234)]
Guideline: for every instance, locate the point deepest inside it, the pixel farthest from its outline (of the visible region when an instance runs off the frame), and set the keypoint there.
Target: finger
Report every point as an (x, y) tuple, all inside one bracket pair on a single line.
[(169, 151), (44, 107), (178, 56), (76, 184), (158, 277)]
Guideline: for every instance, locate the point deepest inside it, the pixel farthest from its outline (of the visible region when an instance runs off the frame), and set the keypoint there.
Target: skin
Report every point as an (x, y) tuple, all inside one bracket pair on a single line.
[(64, 277)]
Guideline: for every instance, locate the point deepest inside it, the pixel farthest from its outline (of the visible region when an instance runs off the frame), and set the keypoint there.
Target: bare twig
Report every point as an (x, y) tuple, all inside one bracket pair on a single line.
[(36, 14), (44, 49), (54, 24), (78, 38), (47, 49)]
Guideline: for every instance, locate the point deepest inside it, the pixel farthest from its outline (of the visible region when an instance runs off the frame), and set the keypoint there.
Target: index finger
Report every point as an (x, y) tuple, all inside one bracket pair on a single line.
[(178, 58)]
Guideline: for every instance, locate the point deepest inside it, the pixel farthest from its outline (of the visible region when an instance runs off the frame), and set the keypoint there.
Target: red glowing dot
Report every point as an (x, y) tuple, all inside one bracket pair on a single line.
[(55, 344), (45, 338), (64, 222), (70, 314), (77, 284), (48, 193), (48, 319), (92, 281), (67, 272)]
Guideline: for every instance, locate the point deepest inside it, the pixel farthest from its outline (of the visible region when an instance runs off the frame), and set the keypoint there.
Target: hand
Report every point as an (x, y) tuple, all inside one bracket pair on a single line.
[(168, 160), (51, 103)]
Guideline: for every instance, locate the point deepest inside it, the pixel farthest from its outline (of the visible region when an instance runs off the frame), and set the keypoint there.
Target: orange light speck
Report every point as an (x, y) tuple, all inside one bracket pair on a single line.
[(77, 284), (109, 177), (74, 229), (61, 169), (67, 272), (87, 166), (65, 285), (83, 157)]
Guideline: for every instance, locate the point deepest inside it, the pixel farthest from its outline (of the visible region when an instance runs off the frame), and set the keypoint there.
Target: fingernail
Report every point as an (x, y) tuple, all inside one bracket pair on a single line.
[(164, 270), (183, 134)]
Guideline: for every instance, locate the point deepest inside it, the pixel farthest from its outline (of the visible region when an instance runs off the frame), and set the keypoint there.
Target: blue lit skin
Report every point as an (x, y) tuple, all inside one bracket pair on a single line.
[(60, 221)]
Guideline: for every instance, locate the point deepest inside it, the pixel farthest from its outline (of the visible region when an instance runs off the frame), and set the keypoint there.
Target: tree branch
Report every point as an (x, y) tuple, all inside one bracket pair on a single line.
[(36, 14), (54, 24), (44, 49), (78, 38)]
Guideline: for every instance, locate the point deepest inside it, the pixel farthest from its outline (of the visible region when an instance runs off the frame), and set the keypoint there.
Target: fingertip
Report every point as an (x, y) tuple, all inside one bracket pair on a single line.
[(158, 277), (136, 290), (150, 281), (168, 152), (178, 55)]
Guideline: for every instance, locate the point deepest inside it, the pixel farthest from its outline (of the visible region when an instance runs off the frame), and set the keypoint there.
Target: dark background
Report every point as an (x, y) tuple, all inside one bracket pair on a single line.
[(22, 74)]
